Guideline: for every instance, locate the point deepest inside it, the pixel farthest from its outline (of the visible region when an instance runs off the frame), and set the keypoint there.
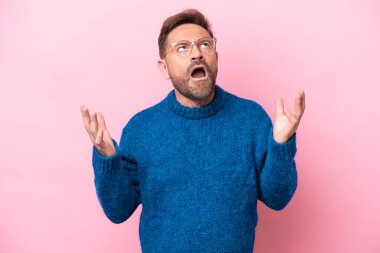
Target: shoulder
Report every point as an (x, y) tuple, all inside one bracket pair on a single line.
[(144, 117), (248, 107)]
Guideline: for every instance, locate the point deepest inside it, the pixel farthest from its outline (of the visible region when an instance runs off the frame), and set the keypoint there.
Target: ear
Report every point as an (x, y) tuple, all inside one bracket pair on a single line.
[(216, 52), (163, 68)]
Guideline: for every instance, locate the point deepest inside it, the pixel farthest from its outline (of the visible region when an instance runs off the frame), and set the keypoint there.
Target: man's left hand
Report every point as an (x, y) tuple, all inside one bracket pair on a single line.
[(287, 122)]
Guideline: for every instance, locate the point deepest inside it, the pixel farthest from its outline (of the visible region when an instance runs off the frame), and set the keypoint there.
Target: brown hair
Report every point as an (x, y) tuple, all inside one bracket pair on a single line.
[(188, 16)]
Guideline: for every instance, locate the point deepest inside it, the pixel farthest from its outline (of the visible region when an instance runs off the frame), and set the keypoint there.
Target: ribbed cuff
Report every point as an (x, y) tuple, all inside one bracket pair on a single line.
[(282, 152), (103, 164)]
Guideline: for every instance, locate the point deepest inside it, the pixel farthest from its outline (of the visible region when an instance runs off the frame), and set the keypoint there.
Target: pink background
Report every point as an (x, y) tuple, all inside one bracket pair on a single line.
[(56, 55)]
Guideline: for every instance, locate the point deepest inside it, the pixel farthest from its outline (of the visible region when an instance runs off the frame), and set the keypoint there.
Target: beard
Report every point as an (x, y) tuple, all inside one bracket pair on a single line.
[(198, 90)]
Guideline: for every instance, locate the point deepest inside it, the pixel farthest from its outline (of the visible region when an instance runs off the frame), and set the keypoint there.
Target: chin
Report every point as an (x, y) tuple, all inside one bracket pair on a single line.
[(201, 90)]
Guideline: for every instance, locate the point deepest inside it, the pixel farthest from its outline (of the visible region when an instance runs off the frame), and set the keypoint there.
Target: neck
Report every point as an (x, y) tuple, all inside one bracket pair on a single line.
[(213, 104), (185, 101)]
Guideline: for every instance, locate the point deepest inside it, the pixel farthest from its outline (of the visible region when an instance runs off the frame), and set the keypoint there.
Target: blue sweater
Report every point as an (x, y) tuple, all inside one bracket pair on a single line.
[(198, 173)]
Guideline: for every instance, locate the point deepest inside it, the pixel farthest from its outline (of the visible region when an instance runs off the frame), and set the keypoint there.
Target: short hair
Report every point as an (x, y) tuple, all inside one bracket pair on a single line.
[(188, 16)]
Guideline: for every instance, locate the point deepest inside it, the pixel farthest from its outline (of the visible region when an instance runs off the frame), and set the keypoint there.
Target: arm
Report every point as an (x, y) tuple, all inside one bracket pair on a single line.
[(277, 174), (116, 180)]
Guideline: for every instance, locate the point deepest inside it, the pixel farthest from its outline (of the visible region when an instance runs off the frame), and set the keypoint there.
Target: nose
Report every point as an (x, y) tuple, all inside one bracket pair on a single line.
[(196, 53)]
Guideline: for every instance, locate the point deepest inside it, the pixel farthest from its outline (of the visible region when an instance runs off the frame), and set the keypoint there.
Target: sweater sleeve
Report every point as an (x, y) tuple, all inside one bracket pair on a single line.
[(116, 180), (277, 174)]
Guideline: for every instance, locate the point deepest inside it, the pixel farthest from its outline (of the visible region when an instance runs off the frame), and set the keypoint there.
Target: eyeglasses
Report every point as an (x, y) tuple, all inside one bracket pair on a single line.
[(183, 48)]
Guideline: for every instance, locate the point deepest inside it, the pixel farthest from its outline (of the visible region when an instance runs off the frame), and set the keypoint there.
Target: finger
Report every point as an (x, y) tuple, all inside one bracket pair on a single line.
[(106, 135), (85, 116), (279, 107), (298, 105), (99, 137), (94, 124), (87, 122), (303, 101), (101, 120), (102, 124), (291, 117), (287, 113)]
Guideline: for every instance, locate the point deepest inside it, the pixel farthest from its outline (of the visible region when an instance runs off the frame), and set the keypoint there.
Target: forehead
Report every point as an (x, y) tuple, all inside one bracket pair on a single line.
[(187, 32)]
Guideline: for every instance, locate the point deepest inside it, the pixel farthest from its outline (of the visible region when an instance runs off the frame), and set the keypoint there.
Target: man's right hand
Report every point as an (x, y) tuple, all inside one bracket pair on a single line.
[(96, 128)]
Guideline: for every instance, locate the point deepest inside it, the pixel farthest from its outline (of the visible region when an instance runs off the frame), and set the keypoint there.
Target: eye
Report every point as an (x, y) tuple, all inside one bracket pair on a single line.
[(204, 45), (182, 48)]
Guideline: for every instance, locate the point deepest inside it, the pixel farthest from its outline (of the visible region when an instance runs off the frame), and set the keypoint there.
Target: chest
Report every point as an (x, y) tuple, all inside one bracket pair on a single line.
[(195, 164)]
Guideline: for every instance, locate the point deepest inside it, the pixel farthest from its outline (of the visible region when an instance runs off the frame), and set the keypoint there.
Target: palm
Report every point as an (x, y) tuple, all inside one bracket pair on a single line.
[(96, 128), (286, 122)]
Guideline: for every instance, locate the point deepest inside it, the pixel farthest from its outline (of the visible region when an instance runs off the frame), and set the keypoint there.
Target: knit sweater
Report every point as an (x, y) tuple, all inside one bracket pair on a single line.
[(198, 173)]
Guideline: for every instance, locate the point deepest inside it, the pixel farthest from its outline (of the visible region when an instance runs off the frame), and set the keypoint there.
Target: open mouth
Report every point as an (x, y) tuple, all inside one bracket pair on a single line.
[(198, 73)]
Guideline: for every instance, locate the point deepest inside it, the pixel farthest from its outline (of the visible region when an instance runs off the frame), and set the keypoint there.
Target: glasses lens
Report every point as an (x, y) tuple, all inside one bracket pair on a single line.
[(206, 45), (183, 47)]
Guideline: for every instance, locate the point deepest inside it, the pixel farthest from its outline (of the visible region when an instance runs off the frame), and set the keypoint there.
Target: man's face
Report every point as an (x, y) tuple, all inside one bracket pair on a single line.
[(191, 84)]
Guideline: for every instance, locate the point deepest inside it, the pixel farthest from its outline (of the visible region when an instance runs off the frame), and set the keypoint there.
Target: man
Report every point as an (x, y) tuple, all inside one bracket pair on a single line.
[(199, 159)]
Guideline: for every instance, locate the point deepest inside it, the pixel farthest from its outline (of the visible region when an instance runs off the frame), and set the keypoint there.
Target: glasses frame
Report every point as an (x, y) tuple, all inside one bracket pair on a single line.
[(173, 44)]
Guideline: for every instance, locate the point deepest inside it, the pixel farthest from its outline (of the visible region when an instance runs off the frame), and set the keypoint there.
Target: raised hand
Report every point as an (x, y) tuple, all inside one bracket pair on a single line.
[(96, 128), (286, 122)]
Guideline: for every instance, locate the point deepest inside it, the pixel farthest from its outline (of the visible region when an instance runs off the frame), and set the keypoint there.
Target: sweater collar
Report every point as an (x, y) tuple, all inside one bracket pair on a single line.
[(197, 112)]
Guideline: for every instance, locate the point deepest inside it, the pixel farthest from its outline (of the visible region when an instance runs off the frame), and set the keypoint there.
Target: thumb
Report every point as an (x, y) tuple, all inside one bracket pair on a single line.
[(279, 107)]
